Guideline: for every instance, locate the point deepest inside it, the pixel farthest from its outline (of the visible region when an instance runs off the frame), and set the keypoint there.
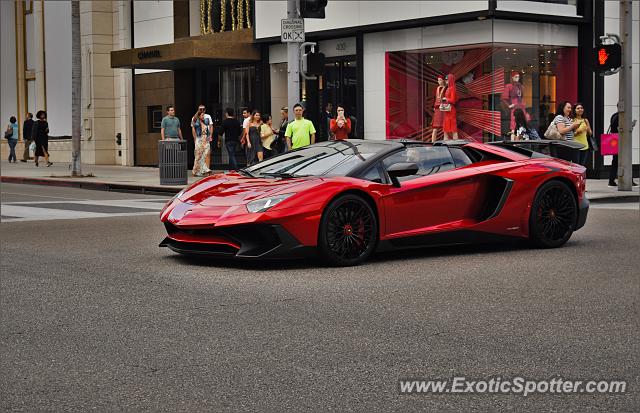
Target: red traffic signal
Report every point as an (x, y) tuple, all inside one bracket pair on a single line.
[(607, 57)]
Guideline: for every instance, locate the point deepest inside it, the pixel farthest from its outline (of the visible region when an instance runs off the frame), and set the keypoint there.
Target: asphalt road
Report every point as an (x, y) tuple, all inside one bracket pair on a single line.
[(96, 316)]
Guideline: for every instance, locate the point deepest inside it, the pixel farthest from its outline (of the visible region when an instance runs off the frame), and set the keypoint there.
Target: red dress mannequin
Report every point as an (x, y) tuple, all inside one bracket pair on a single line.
[(438, 116), (512, 96), (451, 97)]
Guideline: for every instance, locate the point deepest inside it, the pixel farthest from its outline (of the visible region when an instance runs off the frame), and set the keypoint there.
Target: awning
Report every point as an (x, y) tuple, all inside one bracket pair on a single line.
[(216, 48)]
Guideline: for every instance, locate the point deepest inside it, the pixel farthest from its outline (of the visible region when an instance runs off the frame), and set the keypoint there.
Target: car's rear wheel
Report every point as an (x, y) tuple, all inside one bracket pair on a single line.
[(348, 231), (553, 215)]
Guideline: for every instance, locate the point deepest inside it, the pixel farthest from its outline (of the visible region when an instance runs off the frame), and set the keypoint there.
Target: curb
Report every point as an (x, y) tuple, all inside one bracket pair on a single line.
[(96, 186), (614, 199)]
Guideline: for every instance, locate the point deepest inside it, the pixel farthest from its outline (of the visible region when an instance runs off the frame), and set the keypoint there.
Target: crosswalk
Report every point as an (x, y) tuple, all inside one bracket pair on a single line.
[(78, 209)]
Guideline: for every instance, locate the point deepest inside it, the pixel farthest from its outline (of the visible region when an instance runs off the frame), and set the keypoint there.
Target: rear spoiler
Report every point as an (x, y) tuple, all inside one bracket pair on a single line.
[(567, 150)]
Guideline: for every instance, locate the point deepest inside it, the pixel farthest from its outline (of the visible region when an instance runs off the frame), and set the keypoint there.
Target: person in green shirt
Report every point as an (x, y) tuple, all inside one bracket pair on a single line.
[(300, 132), (170, 127)]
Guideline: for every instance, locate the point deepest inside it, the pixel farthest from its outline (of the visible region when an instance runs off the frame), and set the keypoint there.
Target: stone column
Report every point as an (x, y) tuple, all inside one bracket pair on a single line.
[(40, 67)]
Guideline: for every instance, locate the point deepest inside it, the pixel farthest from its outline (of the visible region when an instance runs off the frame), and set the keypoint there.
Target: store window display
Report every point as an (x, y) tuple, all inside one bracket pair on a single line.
[(489, 83)]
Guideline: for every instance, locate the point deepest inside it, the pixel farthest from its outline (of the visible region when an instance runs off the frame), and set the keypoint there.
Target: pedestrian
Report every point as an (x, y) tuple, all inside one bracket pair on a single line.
[(566, 126), (449, 101), (27, 132), (202, 133), (268, 137), (232, 130), (12, 138), (254, 143), (301, 131), (438, 116), (281, 141), (522, 131), (326, 118), (582, 133), (613, 171), (170, 126), (246, 118), (194, 119), (41, 137), (340, 126)]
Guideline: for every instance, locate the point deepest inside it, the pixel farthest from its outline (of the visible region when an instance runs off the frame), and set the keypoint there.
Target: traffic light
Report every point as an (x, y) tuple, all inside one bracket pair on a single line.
[(607, 57), (312, 9), (312, 64)]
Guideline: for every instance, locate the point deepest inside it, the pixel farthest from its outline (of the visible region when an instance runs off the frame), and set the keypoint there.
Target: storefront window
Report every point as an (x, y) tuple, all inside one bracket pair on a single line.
[(491, 83)]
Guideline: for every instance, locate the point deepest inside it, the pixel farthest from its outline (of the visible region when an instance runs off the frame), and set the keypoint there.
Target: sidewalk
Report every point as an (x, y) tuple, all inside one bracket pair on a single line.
[(99, 177), (145, 179)]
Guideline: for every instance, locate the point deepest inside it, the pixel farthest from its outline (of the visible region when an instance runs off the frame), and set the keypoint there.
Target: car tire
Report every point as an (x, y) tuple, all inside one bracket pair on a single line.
[(348, 231), (554, 214)]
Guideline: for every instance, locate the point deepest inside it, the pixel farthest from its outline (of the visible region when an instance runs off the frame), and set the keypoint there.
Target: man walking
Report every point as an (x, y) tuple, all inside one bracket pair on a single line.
[(301, 131), (232, 129), (170, 126), (246, 118), (27, 129)]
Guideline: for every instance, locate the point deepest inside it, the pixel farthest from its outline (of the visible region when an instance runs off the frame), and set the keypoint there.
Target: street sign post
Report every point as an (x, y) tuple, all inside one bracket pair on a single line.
[(292, 30)]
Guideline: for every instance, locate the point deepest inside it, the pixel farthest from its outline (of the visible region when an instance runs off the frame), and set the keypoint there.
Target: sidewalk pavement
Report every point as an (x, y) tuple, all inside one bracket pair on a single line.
[(147, 179)]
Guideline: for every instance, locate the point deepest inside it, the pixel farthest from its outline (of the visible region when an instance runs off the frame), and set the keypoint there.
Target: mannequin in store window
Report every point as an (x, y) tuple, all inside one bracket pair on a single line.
[(513, 97), (448, 107), (438, 116)]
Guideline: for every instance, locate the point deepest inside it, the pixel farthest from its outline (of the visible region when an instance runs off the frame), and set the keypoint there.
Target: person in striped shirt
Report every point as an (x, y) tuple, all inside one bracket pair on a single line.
[(566, 125)]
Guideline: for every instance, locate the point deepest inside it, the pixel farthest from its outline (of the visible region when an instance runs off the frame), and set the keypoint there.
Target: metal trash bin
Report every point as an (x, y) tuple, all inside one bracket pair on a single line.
[(172, 162)]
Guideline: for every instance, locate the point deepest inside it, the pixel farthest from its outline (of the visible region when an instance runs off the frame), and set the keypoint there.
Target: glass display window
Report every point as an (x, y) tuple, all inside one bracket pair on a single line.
[(487, 84)]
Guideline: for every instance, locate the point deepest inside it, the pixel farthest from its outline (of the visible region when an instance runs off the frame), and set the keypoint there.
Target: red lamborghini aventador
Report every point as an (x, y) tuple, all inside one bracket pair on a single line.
[(344, 200)]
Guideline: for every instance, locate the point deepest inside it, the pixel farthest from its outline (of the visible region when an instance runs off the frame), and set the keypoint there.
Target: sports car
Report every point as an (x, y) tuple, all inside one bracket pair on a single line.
[(345, 200)]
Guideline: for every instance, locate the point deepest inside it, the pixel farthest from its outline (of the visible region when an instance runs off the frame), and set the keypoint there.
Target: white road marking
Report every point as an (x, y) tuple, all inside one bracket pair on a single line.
[(21, 211)]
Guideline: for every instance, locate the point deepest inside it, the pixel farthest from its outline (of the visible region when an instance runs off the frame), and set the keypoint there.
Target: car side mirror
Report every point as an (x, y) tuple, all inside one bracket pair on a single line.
[(400, 169)]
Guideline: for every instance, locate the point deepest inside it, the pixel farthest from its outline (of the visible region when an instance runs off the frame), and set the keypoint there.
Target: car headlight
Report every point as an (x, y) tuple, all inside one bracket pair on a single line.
[(263, 204)]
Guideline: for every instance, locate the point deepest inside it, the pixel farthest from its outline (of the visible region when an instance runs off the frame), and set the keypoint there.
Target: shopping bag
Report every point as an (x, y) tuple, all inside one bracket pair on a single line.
[(609, 144)]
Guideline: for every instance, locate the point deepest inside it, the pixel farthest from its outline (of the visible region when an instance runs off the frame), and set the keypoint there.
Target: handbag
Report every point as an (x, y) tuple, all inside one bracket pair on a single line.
[(8, 133), (32, 147), (552, 133), (609, 144), (445, 107)]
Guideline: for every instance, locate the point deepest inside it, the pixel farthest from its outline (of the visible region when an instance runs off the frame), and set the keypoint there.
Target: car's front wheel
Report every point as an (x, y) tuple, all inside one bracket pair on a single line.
[(348, 231), (553, 215)]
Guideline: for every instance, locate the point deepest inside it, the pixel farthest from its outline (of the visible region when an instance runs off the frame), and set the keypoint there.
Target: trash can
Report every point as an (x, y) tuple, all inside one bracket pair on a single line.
[(172, 162)]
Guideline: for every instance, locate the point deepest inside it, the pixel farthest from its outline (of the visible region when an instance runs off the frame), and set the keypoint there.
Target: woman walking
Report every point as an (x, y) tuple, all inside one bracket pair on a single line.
[(582, 133), (254, 143), (12, 138), (268, 137), (41, 137), (201, 132)]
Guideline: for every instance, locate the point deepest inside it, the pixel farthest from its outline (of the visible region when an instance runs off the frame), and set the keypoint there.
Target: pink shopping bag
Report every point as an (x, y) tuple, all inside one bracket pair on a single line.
[(609, 144)]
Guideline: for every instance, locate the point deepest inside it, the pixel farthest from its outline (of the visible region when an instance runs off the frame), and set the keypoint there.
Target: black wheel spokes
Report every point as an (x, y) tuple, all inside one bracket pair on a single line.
[(349, 230), (556, 214)]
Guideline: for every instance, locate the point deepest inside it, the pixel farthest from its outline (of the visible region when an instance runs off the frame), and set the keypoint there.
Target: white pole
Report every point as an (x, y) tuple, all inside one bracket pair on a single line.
[(625, 104)]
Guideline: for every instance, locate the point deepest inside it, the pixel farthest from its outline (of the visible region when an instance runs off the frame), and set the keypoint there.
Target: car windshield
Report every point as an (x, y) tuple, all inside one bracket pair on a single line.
[(334, 158)]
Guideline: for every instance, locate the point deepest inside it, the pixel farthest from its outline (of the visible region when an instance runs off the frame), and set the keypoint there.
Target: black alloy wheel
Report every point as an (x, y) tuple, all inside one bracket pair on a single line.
[(554, 214), (348, 231)]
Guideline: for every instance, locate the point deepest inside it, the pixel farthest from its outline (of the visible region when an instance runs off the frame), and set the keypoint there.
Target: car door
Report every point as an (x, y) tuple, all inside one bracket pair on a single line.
[(440, 196)]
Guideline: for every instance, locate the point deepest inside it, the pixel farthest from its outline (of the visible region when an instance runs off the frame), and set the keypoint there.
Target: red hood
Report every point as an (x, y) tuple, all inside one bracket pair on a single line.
[(230, 190)]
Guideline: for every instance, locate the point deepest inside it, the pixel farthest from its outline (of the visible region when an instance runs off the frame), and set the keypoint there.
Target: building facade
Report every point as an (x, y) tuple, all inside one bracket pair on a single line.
[(382, 63)]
